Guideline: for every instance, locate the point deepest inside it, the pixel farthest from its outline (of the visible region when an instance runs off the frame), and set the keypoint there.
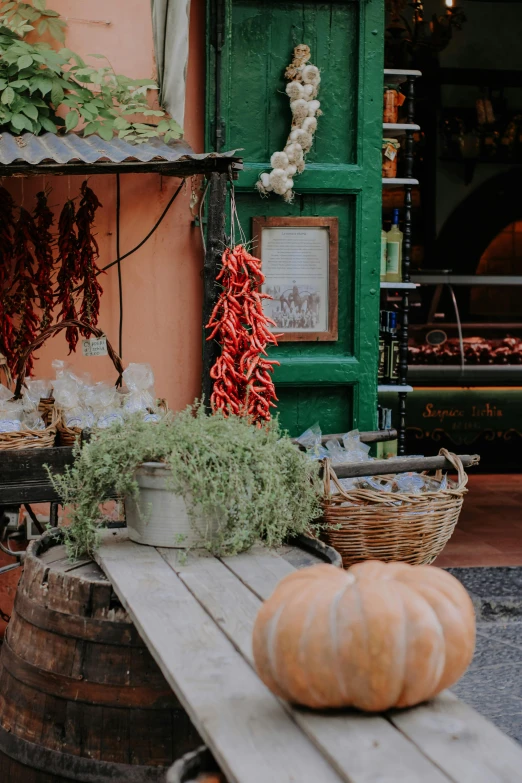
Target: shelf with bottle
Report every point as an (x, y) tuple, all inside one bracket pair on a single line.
[(396, 245)]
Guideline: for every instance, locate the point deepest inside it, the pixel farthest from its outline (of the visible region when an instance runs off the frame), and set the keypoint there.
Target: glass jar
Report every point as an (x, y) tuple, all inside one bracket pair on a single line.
[(390, 156)]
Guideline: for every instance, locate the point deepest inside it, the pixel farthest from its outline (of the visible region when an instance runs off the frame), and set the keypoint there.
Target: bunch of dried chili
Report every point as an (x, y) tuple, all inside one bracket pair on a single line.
[(23, 299), (69, 272), (43, 251), (88, 252), (242, 373), (7, 223)]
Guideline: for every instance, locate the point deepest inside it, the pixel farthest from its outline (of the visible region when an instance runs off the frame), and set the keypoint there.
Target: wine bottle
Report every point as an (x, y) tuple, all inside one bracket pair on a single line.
[(394, 251)]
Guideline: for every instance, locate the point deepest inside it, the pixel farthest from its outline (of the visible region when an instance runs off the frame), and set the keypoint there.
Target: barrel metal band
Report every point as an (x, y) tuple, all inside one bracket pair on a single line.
[(78, 768), (72, 626), (142, 697)]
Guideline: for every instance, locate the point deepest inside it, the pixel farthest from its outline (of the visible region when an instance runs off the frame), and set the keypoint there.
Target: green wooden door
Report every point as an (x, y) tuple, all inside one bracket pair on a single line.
[(334, 383)]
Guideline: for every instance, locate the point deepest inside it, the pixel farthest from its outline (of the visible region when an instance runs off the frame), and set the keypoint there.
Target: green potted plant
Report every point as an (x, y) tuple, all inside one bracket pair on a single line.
[(192, 480)]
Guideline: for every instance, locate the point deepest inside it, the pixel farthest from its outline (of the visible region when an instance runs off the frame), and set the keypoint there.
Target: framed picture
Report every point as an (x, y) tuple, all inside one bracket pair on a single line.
[(300, 264)]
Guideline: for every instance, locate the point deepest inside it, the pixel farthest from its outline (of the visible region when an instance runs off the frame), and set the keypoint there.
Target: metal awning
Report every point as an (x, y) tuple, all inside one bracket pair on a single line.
[(73, 154)]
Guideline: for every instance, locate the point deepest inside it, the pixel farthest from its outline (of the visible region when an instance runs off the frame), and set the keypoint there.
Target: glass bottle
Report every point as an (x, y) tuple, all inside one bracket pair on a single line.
[(384, 239), (392, 374), (394, 251)]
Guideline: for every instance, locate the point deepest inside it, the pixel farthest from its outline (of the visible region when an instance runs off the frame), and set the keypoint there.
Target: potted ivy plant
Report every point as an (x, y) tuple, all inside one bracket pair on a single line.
[(190, 479)]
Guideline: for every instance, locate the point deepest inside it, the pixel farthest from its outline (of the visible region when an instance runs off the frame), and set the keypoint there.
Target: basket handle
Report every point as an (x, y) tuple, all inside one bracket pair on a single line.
[(329, 475), (457, 464), (52, 330)]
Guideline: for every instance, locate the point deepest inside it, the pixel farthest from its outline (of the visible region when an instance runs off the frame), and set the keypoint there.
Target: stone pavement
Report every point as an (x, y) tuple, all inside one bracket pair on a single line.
[(493, 683)]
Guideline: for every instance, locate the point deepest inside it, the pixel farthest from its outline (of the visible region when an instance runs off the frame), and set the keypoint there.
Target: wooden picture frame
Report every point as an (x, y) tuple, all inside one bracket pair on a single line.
[(302, 315)]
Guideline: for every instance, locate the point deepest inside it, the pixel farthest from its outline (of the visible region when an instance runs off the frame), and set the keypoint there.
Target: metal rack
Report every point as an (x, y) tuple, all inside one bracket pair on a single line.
[(408, 182)]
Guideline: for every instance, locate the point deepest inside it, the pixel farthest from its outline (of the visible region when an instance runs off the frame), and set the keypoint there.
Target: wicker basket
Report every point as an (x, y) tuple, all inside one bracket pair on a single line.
[(66, 435), (30, 439), (367, 524), (46, 408)]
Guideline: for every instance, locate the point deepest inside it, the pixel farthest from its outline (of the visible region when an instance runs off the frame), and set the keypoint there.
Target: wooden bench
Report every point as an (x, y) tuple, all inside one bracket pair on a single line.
[(196, 615)]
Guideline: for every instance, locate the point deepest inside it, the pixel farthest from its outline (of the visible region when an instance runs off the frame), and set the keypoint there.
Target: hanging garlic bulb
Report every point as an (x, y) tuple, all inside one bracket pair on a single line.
[(295, 90), (279, 160), (302, 89)]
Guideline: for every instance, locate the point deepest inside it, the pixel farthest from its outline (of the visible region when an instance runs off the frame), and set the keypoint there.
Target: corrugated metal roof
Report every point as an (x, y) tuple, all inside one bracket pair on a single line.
[(71, 148)]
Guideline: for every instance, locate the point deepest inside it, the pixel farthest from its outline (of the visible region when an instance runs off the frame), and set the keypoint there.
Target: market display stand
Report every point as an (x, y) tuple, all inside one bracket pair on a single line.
[(196, 613), (407, 183), (463, 373)]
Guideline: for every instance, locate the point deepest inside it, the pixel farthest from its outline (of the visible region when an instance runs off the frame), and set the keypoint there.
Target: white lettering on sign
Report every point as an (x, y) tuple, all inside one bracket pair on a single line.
[(96, 346)]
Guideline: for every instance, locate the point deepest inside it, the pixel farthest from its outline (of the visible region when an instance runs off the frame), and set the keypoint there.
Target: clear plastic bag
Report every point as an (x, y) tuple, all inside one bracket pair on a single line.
[(66, 392), (11, 415), (376, 483), (311, 441), (34, 392), (410, 483), (79, 417), (5, 394), (336, 453), (139, 380), (355, 450), (32, 420)]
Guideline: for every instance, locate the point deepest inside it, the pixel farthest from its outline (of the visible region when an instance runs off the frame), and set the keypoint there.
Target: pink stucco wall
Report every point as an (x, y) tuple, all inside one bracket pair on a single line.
[(162, 288)]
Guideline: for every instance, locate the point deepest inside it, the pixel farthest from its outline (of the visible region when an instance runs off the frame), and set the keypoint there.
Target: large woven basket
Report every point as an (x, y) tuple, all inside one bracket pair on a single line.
[(30, 439), (366, 524)]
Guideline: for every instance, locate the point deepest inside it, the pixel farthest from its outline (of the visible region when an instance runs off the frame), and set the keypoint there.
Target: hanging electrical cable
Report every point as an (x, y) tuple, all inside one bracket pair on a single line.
[(118, 261), (151, 232)]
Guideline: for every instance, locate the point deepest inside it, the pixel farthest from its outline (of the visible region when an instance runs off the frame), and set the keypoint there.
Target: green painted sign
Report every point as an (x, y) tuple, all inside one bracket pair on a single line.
[(462, 416), (334, 383)]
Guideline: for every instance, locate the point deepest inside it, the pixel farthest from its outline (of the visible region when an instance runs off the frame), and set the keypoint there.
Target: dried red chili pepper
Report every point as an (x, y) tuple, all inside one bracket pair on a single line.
[(90, 289), (43, 250), (23, 300), (69, 272), (242, 377), (7, 223)]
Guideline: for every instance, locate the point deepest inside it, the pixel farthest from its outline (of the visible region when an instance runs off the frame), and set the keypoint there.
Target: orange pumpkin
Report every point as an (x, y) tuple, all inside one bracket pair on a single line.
[(377, 636)]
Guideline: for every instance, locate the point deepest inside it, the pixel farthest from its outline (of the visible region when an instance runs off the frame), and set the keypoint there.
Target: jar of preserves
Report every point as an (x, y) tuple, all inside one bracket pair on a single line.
[(390, 155)]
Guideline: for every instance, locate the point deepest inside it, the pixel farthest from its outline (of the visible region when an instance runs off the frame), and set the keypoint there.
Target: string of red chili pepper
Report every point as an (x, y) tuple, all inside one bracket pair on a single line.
[(7, 223), (23, 300), (241, 374), (69, 272), (90, 289), (43, 251)]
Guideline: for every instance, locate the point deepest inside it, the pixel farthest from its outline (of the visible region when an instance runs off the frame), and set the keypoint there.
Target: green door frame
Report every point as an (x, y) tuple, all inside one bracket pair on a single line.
[(354, 363)]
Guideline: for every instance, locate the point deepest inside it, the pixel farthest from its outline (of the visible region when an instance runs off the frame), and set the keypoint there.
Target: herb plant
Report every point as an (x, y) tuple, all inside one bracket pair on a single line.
[(252, 479), (37, 80)]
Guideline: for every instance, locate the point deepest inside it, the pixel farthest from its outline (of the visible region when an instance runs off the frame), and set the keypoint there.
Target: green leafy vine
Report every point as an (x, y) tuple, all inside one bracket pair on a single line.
[(36, 80)]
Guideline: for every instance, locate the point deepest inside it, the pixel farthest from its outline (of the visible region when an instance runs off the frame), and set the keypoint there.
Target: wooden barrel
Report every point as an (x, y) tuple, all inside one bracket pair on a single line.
[(80, 696)]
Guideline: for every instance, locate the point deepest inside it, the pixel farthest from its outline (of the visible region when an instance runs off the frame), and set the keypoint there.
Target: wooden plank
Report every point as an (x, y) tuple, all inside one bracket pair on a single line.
[(371, 436), (249, 732), (378, 467), (260, 569), (364, 748), (461, 742)]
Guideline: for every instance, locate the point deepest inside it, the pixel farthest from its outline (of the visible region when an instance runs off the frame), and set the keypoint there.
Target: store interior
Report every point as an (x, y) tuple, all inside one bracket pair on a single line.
[(465, 313)]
